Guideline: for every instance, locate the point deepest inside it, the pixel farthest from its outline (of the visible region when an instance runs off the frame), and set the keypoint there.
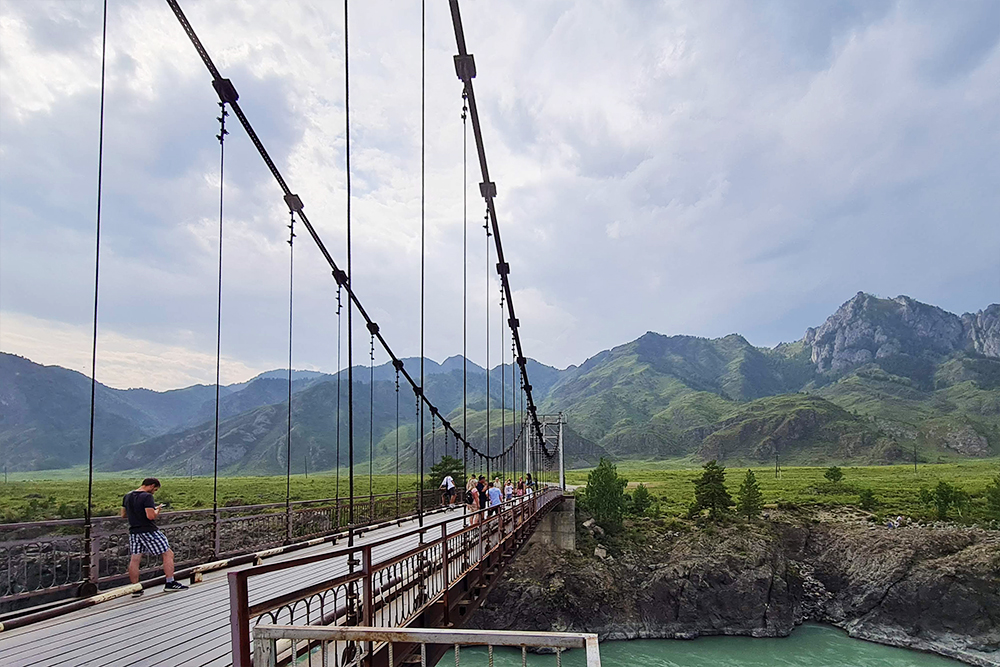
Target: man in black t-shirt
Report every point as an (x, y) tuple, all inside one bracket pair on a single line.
[(144, 536)]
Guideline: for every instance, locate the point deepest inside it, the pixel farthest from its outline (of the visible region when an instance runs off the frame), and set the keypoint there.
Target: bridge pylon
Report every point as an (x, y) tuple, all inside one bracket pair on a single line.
[(552, 442)]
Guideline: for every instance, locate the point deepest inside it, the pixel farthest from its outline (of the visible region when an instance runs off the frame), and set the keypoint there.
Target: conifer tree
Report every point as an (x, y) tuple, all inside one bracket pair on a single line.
[(750, 500), (605, 495), (710, 491)]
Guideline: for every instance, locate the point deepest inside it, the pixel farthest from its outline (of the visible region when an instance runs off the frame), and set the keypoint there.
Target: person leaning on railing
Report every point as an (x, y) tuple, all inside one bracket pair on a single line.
[(144, 536), (472, 498)]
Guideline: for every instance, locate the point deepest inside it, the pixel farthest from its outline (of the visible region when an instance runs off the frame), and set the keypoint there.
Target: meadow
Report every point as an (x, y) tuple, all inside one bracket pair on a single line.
[(896, 488), (57, 494), (62, 494)]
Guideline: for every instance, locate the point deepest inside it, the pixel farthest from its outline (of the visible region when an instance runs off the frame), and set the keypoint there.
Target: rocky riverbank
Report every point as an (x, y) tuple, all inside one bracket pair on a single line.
[(934, 589)]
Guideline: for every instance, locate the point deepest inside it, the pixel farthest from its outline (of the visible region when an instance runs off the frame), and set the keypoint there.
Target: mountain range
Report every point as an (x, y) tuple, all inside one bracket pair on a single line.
[(881, 380)]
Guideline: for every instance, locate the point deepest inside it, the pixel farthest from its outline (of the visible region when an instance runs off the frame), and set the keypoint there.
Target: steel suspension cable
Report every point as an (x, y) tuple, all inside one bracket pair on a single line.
[(397, 442), (503, 382), (371, 425), (226, 91), (488, 424), (339, 370), (288, 434), (423, 254), (221, 136), (348, 281), (465, 67), (465, 288), (97, 277)]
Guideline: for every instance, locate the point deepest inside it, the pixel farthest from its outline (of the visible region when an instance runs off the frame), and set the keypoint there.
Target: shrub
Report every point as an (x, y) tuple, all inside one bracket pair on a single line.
[(993, 498), (943, 498), (749, 500), (834, 474), (866, 498)]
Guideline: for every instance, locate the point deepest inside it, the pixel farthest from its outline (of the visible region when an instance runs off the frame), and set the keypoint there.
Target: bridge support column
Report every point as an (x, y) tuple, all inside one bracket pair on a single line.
[(558, 527)]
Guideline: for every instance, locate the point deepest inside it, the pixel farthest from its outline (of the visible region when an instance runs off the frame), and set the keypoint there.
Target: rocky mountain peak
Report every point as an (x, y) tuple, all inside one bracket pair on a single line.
[(982, 330), (867, 328)]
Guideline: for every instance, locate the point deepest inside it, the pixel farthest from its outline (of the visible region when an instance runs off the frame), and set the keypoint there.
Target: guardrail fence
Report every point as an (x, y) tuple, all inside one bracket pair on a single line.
[(49, 559), (426, 577), (275, 645)]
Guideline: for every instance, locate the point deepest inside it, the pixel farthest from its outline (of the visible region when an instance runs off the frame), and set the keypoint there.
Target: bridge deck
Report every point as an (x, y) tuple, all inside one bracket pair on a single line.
[(184, 628)]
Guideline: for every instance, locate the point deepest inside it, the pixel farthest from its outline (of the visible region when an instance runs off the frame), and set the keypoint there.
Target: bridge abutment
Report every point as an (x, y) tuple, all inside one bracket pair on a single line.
[(558, 527)]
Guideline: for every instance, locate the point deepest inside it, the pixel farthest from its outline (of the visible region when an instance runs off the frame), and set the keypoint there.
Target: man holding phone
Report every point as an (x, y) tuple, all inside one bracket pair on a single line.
[(144, 536)]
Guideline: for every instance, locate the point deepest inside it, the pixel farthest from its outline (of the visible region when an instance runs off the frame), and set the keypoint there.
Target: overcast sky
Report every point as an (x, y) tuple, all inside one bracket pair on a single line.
[(682, 167)]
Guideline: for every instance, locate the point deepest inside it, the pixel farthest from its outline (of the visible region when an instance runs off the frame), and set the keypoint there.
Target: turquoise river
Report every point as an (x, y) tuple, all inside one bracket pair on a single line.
[(808, 646)]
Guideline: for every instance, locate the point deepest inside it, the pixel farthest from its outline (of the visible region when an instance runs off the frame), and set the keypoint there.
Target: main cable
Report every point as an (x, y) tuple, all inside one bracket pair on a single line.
[(226, 91)]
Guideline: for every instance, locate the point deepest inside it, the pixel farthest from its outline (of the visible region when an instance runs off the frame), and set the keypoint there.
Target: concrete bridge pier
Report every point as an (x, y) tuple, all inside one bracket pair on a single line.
[(558, 527)]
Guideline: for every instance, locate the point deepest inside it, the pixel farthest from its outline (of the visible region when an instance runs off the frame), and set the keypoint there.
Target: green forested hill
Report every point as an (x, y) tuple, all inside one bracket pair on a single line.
[(876, 381)]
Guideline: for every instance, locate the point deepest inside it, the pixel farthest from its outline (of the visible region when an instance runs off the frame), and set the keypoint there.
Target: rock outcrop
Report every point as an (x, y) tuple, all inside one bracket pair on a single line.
[(982, 330), (867, 328), (932, 589)]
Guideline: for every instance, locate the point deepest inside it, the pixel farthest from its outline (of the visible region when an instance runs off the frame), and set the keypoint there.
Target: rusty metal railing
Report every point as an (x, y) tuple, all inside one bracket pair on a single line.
[(49, 558), (428, 577), (275, 645)]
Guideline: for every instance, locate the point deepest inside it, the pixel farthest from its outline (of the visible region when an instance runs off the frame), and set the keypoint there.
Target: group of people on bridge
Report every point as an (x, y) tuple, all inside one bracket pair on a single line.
[(482, 494)]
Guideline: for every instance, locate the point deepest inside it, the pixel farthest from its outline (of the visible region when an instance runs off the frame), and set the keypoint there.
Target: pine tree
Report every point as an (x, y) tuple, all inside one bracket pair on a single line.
[(749, 501), (605, 495), (710, 491), (448, 465), (641, 500)]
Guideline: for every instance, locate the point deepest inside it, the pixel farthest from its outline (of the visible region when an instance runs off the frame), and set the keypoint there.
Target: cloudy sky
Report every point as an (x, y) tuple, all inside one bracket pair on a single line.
[(682, 167)]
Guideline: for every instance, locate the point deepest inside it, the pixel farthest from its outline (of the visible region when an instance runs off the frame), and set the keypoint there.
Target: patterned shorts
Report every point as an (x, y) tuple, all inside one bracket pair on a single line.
[(148, 543)]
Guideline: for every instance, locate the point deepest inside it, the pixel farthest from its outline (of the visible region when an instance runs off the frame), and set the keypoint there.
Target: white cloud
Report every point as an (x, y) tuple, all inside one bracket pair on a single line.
[(683, 167), (122, 361)]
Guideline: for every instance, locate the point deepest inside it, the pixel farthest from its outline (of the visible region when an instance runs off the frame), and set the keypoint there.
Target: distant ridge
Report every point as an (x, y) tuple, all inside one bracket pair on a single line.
[(877, 379)]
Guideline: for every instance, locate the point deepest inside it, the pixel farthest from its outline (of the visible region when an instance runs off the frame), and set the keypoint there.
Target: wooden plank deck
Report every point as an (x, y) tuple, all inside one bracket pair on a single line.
[(183, 628)]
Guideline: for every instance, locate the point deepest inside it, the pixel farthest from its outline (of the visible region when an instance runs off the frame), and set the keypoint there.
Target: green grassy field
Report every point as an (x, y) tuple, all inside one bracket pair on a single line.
[(62, 494), (58, 494), (896, 488)]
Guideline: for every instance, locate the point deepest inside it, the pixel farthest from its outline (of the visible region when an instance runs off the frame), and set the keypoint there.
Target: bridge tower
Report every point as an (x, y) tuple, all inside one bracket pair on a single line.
[(552, 435)]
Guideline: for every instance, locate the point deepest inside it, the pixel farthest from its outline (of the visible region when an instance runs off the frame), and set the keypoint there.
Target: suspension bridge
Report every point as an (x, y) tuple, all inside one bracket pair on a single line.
[(373, 579)]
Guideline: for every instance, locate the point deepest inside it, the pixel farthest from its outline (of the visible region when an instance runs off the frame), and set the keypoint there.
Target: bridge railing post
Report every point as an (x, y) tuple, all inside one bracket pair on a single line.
[(239, 619), (445, 576)]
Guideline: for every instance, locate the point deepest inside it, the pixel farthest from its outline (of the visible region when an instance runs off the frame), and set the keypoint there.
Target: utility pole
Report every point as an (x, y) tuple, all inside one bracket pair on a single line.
[(914, 456), (305, 464), (776, 468)]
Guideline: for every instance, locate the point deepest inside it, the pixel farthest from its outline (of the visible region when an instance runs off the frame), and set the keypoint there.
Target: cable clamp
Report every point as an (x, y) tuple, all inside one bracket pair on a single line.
[(372, 328), (226, 90), (397, 364), (465, 67), (294, 203), (488, 190), (340, 277), (514, 322), (503, 268)]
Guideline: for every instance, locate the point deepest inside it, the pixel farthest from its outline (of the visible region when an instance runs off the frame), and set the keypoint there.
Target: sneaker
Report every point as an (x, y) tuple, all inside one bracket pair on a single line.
[(138, 593), (174, 586)]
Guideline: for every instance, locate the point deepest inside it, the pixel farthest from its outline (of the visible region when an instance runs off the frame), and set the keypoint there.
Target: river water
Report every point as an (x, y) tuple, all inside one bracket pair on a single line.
[(807, 646)]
